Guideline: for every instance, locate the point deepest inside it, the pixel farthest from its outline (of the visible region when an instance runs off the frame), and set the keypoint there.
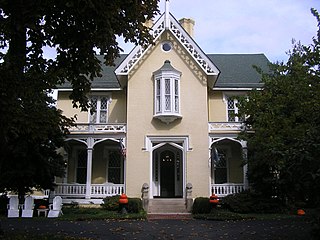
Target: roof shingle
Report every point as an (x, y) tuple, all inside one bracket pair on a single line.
[(237, 71)]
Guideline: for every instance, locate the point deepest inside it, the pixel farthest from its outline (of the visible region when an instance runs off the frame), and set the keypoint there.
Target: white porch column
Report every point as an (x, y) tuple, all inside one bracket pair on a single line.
[(245, 167), (124, 142), (89, 167)]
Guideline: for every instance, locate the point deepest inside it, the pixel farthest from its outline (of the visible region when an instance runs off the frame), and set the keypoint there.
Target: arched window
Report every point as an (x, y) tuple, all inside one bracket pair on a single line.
[(167, 93)]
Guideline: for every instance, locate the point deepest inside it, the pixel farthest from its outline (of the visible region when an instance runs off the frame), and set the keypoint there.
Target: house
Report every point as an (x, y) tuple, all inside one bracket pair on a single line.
[(165, 123)]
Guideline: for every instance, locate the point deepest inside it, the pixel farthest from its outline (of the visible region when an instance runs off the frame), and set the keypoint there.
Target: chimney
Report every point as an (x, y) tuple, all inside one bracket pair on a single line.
[(148, 23), (187, 24)]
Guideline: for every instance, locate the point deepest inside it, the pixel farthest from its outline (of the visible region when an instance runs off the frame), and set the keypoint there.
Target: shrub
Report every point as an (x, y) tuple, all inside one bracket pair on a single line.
[(111, 203), (134, 205), (316, 225), (201, 205), (249, 202)]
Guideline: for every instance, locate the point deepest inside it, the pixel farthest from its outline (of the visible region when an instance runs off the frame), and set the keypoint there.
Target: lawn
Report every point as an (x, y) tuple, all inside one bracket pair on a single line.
[(225, 215)]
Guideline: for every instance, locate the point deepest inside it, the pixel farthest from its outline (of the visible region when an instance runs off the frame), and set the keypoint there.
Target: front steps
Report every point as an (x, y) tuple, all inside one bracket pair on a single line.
[(167, 206)]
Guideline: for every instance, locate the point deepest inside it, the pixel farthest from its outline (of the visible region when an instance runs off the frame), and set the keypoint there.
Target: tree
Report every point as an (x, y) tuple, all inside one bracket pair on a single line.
[(31, 128), (284, 149)]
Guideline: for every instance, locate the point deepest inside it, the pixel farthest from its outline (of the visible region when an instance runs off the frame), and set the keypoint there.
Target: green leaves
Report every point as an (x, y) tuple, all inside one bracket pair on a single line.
[(30, 128), (284, 149)]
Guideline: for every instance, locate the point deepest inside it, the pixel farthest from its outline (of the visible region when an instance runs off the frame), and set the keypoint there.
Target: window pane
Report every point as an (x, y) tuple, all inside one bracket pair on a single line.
[(220, 173), (103, 116), (167, 86), (176, 87), (230, 103), (94, 101), (167, 95), (93, 116), (158, 104), (168, 103), (158, 96), (231, 116), (231, 110), (176, 104), (176, 97), (104, 103), (158, 87), (103, 109), (82, 166), (114, 167)]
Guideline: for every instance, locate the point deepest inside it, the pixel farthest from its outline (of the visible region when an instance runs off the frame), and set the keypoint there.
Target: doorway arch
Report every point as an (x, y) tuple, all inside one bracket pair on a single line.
[(167, 171)]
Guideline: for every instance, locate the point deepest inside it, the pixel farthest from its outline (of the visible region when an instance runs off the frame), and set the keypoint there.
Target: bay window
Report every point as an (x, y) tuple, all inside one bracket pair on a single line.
[(167, 93)]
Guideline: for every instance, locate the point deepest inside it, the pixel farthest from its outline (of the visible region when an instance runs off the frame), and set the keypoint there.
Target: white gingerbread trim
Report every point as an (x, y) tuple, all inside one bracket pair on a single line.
[(181, 35)]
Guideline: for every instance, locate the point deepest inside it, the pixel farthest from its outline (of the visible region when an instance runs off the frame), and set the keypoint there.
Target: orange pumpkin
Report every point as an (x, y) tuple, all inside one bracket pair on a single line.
[(42, 207), (214, 199), (301, 212), (123, 199)]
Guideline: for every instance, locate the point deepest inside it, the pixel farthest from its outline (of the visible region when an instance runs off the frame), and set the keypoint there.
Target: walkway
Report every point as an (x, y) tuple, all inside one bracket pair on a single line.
[(293, 228)]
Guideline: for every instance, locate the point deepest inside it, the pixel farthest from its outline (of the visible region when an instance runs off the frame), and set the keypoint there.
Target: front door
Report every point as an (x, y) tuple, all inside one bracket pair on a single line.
[(167, 180)]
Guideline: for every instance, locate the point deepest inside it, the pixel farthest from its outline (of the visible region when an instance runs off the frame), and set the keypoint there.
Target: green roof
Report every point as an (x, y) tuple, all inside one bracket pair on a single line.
[(108, 78), (236, 71)]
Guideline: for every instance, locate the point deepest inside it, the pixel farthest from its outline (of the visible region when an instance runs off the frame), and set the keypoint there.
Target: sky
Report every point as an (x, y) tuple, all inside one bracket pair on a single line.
[(247, 26)]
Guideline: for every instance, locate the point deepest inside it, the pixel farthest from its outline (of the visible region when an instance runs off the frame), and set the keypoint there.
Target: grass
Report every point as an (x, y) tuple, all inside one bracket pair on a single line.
[(74, 214), (225, 215), (88, 214)]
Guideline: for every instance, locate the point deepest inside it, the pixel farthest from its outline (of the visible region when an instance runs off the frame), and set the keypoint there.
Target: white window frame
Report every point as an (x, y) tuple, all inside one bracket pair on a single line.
[(226, 97), (76, 161), (98, 109), (228, 152), (167, 112), (161, 95), (106, 153)]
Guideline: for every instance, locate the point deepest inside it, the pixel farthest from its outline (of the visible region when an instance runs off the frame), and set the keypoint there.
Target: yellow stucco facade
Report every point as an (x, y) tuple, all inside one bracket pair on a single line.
[(193, 124), (134, 139)]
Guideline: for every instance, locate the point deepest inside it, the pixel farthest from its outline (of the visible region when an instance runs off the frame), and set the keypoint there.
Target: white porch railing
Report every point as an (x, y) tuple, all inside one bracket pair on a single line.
[(225, 189), (97, 190), (224, 126), (102, 190), (91, 127)]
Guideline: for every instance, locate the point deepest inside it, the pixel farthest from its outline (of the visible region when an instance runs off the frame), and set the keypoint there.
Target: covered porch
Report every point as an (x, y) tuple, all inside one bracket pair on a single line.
[(228, 165), (95, 164)]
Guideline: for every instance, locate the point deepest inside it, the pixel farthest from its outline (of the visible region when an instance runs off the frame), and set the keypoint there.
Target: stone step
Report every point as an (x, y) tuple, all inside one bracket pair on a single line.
[(169, 205), (175, 216)]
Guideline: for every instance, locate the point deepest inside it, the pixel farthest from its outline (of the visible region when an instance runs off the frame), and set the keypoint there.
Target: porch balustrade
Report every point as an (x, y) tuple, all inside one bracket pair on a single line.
[(97, 190), (225, 189), (92, 127), (225, 126)]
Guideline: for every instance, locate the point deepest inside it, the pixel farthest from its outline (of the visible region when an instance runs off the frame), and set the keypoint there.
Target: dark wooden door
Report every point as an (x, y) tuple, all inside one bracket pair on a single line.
[(167, 183)]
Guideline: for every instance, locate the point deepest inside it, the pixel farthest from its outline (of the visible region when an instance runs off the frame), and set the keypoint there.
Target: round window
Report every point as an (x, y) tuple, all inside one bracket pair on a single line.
[(166, 46)]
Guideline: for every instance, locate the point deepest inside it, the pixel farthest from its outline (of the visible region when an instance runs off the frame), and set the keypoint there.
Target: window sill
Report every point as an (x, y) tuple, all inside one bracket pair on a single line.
[(167, 117)]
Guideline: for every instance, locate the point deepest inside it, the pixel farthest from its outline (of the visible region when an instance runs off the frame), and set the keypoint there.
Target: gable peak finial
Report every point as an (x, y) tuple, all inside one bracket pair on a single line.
[(166, 13)]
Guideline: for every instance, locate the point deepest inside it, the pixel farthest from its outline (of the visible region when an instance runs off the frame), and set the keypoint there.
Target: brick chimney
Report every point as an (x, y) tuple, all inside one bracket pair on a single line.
[(187, 24)]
